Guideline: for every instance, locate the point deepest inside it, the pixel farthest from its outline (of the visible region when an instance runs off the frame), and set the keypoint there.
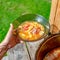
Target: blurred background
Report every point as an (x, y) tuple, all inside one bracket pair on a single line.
[(10, 10)]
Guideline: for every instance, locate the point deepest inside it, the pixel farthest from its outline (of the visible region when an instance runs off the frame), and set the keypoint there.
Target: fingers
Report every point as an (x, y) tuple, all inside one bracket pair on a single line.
[(9, 34)]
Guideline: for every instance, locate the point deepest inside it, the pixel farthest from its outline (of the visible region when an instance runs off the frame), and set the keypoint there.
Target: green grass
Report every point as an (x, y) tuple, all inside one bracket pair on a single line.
[(12, 9)]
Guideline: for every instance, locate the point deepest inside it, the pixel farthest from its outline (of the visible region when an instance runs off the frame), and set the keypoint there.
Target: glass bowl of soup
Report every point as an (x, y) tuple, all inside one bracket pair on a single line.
[(31, 27)]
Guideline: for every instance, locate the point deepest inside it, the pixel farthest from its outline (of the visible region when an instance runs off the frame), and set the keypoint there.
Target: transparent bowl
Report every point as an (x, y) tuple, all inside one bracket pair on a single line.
[(33, 17)]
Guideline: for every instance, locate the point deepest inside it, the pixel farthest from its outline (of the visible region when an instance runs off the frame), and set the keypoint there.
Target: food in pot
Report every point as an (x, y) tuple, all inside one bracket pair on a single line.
[(53, 55), (30, 30)]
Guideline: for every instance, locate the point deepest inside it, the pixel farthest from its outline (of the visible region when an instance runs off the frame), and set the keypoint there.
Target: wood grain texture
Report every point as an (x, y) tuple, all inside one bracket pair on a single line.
[(53, 11), (54, 24), (57, 18)]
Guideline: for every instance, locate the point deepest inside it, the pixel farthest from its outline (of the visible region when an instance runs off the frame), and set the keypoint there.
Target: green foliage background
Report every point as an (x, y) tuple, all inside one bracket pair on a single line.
[(12, 9)]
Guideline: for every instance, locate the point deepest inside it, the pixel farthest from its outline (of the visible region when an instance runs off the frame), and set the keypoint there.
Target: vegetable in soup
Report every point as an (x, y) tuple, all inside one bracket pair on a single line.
[(31, 30)]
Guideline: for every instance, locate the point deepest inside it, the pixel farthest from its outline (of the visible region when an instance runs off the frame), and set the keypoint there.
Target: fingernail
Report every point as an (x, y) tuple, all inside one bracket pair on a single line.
[(10, 24)]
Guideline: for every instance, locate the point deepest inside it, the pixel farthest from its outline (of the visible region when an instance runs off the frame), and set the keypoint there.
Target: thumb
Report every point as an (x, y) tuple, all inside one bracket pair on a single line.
[(8, 35)]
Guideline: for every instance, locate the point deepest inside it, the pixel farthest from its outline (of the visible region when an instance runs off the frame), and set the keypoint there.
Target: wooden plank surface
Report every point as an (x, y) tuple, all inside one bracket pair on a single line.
[(53, 14), (55, 17), (53, 11)]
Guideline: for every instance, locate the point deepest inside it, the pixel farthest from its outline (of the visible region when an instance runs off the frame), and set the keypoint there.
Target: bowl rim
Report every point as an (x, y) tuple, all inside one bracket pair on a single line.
[(45, 28)]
